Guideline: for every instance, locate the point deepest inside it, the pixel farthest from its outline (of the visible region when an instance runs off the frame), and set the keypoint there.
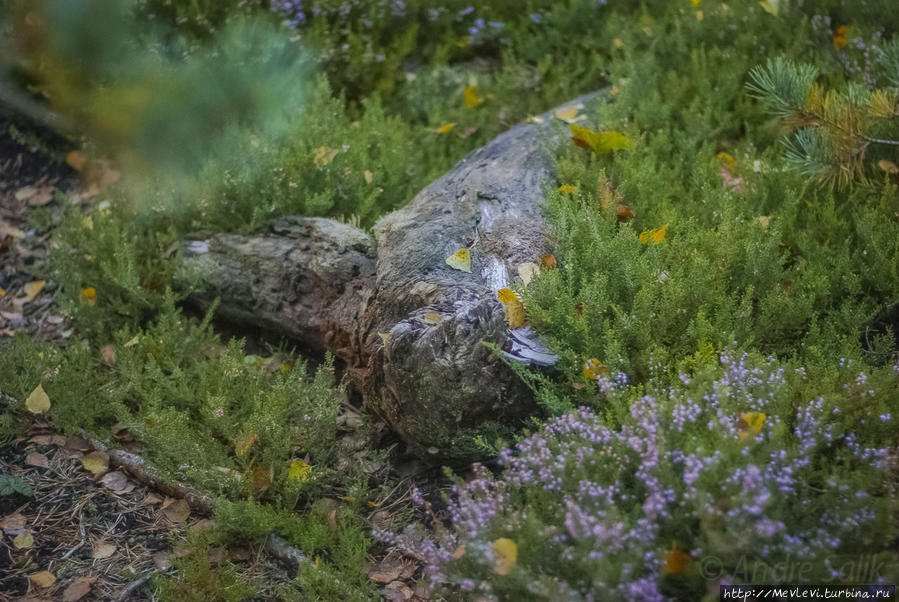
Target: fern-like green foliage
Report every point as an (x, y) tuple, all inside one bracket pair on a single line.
[(835, 135)]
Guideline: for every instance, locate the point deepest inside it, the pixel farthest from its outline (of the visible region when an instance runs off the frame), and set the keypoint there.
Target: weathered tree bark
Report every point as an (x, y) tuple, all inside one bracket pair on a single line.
[(334, 288)]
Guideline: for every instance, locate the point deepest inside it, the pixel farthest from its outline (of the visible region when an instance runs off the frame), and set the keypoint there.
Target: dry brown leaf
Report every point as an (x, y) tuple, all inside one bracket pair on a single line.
[(432, 317), (162, 562), (78, 589), (386, 571), (40, 439), (177, 511), (117, 481), (42, 579), (107, 352), (25, 193), (368, 177), (103, 550), (152, 499), (764, 219), (397, 591), (36, 459), (13, 522), (78, 444), (42, 196)]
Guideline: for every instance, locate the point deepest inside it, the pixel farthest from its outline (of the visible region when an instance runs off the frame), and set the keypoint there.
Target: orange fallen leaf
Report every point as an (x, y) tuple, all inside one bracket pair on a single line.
[(76, 160), (548, 261), (676, 562), (90, 295)]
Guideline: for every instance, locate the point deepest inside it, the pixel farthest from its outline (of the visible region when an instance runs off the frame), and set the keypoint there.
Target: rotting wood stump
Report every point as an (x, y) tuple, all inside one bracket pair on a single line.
[(334, 288)]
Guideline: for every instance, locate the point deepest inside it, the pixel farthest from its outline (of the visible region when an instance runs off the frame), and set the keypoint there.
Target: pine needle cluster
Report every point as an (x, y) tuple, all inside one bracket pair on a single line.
[(835, 135)]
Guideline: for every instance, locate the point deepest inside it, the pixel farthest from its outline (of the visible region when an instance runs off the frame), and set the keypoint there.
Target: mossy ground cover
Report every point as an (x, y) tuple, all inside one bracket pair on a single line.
[(784, 455)]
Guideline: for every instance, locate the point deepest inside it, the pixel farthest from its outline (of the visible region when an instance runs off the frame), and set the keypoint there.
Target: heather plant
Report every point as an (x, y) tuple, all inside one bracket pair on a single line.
[(734, 472), (745, 250)]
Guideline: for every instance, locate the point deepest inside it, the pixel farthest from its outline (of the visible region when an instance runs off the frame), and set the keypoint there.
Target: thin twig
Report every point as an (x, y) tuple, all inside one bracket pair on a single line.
[(131, 587)]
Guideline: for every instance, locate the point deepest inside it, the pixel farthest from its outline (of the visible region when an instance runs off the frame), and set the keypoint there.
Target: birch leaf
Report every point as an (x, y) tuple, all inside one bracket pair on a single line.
[(38, 401)]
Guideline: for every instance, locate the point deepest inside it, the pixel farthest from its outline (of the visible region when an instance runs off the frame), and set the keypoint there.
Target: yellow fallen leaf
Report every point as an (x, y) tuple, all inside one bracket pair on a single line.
[(568, 114), (657, 235), (385, 336), (515, 314), (323, 155), (472, 99), (598, 142), (460, 260), (299, 471), (2, 293), (750, 424), (445, 128), (432, 317), (42, 579), (726, 159), (618, 43), (888, 166), (527, 270), (95, 462), (505, 555), (566, 188), (771, 7), (38, 401), (676, 562), (696, 2), (23, 540), (764, 219), (90, 295), (593, 369), (374, 504), (33, 288)]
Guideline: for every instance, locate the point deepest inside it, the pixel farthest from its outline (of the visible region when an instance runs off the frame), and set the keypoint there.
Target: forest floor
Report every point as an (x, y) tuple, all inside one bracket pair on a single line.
[(91, 532)]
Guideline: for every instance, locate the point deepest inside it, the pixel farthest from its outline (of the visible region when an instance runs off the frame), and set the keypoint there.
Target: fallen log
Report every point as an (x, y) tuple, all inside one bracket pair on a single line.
[(409, 328)]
